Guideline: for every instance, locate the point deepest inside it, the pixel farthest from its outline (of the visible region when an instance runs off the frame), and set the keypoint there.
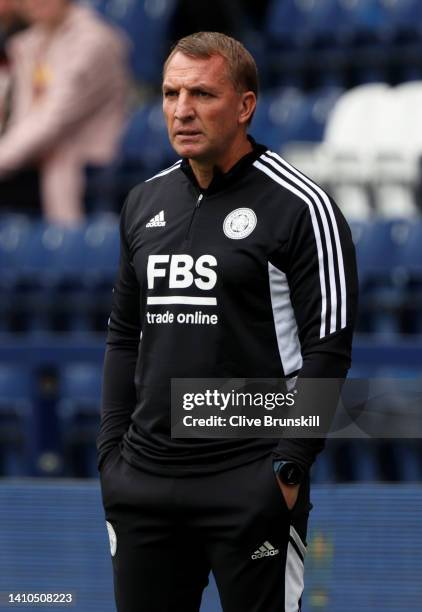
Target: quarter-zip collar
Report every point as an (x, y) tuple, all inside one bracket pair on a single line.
[(222, 179)]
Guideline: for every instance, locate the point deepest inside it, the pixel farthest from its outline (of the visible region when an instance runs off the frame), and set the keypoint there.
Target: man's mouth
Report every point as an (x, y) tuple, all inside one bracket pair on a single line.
[(187, 133)]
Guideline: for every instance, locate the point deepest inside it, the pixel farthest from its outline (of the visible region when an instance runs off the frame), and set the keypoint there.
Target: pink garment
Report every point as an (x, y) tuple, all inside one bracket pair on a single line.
[(76, 114)]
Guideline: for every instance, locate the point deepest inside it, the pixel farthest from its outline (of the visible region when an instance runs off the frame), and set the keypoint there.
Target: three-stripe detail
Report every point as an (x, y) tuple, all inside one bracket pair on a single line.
[(175, 166), (330, 255)]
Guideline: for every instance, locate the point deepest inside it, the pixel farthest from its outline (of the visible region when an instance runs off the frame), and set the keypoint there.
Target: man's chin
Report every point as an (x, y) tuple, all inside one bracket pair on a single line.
[(189, 150)]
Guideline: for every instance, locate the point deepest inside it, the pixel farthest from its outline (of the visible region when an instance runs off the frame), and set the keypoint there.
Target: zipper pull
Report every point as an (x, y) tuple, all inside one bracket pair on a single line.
[(199, 200)]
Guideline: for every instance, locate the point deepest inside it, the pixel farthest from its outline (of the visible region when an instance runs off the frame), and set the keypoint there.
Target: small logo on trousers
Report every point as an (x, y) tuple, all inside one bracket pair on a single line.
[(266, 550)]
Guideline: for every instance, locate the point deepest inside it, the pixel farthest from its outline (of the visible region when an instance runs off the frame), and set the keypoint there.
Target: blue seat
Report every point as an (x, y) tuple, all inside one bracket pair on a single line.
[(145, 143), (347, 461), (14, 234), (147, 25), (88, 272), (15, 231), (64, 276), (16, 433), (40, 270), (314, 113), (287, 114), (403, 16), (297, 23), (98, 257), (409, 273), (379, 249), (78, 414), (278, 117), (326, 38), (410, 258), (359, 18), (407, 458), (364, 460)]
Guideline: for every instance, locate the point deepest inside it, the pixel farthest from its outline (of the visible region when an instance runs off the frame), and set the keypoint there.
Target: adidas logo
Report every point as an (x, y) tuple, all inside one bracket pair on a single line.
[(266, 550), (157, 221)]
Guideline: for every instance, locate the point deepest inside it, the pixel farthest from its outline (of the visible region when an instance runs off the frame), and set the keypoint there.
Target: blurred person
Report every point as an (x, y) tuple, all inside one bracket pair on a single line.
[(234, 237), (69, 101), (10, 23)]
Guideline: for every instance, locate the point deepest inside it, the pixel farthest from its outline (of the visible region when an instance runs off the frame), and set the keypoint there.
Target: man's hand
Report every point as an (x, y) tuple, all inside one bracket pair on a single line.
[(289, 492)]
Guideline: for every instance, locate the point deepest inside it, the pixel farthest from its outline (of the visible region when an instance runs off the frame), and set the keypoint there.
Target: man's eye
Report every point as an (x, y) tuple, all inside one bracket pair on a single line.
[(203, 94), (169, 94)]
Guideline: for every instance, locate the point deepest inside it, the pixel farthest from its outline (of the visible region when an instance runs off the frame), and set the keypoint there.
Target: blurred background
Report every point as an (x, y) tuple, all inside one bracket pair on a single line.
[(81, 123)]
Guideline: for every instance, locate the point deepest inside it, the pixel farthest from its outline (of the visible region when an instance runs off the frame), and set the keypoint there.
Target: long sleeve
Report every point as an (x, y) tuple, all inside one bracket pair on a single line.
[(118, 392), (321, 271)]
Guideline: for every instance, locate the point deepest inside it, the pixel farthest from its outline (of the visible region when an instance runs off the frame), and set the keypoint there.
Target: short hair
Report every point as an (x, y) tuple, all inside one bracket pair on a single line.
[(240, 63)]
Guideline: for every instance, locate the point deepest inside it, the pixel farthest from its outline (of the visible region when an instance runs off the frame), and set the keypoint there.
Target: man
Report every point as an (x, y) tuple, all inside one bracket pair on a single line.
[(69, 102), (233, 228)]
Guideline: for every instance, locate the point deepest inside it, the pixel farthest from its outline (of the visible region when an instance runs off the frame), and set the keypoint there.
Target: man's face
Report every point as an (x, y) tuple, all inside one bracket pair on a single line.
[(47, 12), (203, 110)]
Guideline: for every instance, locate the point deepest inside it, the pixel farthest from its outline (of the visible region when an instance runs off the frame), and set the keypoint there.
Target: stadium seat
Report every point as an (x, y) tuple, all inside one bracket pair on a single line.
[(101, 250), (14, 233), (55, 278), (297, 33), (305, 153), (286, 115), (350, 144), (297, 23), (402, 16), (364, 460), (146, 24), (146, 141), (411, 254), (406, 456), (396, 165), (88, 274), (78, 415), (409, 271), (40, 270), (16, 433), (144, 150), (380, 246)]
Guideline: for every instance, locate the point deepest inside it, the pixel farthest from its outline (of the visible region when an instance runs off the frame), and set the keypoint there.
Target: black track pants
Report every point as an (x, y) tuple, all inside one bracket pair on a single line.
[(167, 533)]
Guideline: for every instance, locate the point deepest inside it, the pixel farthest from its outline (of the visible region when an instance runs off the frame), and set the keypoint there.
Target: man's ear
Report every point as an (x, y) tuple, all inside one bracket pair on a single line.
[(247, 107)]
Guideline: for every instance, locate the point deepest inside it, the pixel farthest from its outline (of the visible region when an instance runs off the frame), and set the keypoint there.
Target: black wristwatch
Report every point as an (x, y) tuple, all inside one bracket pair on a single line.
[(288, 472)]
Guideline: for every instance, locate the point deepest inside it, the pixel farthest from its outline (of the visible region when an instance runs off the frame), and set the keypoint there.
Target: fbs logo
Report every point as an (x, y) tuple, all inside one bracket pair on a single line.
[(157, 220), (266, 550), (183, 271)]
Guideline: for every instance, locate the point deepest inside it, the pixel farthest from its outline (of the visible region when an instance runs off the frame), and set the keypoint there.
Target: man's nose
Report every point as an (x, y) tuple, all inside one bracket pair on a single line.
[(184, 109)]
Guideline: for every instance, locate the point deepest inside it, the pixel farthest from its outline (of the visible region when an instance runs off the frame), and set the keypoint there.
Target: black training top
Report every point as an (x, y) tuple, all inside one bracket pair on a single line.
[(259, 274)]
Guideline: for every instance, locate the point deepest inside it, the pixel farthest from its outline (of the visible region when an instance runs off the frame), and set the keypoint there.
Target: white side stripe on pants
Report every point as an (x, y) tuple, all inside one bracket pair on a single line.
[(293, 583)]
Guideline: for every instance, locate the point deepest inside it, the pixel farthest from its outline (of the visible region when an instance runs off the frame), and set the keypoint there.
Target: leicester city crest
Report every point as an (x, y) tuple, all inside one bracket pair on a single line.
[(239, 223)]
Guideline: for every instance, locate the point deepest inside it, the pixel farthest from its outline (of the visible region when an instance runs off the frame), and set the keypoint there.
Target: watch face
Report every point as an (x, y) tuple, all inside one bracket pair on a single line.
[(290, 473)]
